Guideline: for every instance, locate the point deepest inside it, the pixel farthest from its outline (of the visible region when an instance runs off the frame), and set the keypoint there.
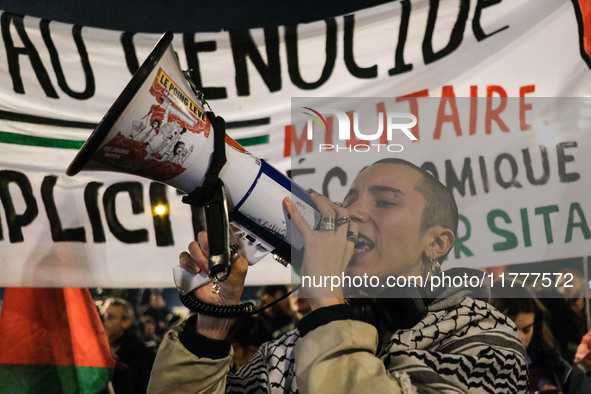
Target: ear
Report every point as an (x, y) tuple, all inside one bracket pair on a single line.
[(441, 240)]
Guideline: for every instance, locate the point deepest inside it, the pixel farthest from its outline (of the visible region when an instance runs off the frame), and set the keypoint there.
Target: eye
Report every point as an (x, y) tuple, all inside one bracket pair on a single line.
[(385, 203), (527, 330)]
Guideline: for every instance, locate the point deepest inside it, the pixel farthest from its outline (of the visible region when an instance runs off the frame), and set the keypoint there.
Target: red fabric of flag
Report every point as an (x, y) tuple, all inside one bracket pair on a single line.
[(52, 339)]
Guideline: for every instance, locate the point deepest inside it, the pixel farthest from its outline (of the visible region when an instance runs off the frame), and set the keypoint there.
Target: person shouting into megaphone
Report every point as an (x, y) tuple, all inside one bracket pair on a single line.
[(396, 221)]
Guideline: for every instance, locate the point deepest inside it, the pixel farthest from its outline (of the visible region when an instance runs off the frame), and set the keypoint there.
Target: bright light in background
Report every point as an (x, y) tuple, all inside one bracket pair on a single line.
[(160, 209)]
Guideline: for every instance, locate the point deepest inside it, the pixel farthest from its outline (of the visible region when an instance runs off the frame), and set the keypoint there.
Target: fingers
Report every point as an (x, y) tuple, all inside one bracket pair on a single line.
[(198, 256), (296, 217), (324, 205), (202, 239), (343, 221), (188, 264)]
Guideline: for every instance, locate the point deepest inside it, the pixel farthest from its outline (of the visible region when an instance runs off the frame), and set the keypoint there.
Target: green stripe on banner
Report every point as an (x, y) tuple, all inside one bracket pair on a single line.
[(250, 141), (53, 379), (22, 139)]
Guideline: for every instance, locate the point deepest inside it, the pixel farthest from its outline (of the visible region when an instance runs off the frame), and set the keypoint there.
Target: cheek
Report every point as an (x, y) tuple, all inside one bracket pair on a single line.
[(400, 238), (527, 338)]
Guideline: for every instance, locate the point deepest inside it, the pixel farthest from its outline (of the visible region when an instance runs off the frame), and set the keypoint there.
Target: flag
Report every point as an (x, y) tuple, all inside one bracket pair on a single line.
[(52, 341)]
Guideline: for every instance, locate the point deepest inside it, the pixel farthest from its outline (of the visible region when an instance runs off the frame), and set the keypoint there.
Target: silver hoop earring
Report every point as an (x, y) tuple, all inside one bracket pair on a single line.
[(434, 267)]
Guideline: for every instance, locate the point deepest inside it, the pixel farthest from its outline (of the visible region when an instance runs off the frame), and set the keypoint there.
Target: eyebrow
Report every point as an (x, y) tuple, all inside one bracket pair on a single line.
[(389, 189), (377, 189)]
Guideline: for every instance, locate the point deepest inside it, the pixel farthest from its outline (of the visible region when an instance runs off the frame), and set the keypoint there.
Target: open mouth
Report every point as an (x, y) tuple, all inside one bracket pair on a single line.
[(363, 244)]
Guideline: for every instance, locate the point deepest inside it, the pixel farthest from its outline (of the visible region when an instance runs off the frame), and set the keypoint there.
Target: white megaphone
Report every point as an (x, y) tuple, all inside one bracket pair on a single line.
[(158, 129)]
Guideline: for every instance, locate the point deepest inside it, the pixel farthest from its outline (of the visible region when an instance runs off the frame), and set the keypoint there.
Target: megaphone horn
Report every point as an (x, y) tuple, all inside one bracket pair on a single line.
[(158, 129)]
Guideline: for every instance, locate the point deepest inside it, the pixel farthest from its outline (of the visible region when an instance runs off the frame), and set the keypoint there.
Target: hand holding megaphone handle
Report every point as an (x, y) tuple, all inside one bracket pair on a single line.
[(212, 198), (186, 282)]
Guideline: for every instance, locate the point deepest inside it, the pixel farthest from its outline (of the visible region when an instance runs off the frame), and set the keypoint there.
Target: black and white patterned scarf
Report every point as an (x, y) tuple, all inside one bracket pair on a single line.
[(462, 345)]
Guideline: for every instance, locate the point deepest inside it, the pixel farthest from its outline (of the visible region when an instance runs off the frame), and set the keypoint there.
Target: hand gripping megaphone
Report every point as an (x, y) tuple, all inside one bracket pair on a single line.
[(158, 129)]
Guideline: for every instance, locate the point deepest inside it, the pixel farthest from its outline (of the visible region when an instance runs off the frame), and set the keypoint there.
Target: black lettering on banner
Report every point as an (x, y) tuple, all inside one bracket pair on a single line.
[(135, 191), (192, 49), (14, 221), (430, 167), (543, 179), (300, 171), (513, 182), (483, 173), (563, 158), (452, 181), (456, 35), (335, 172), (476, 26), (57, 67), (293, 67), (354, 69), (162, 226), (399, 65), (58, 234), (243, 46), (13, 53), (91, 202), (129, 50)]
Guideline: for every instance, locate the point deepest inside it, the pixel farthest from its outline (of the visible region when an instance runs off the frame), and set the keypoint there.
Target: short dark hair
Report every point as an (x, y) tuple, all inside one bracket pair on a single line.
[(440, 205), (271, 290)]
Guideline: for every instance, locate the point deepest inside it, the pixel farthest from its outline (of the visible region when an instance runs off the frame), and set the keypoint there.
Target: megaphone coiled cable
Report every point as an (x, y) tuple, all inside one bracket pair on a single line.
[(225, 311)]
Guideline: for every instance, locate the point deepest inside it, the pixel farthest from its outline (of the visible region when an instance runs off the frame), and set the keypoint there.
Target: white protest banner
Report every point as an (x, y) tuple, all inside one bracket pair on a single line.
[(58, 80), (517, 167)]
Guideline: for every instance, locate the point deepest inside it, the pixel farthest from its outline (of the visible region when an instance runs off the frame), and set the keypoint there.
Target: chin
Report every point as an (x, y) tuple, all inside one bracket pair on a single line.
[(358, 269)]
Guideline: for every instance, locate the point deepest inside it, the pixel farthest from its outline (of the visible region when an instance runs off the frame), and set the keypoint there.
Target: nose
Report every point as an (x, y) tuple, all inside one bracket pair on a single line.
[(358, 211)]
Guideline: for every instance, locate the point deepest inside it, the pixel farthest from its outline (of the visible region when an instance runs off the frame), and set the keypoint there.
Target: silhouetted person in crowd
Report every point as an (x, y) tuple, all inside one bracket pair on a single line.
[(567, 326), (159, 312), (148, 330), (248, 334), (134, 359), (279, 316), (548, 370), (300, 306)]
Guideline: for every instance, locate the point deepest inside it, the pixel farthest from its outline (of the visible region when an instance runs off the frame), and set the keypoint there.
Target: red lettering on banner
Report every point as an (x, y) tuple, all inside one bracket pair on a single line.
[(473, 108), (298, 141), (447, 96), (523, 107), (414, 107), (448, 112), (495, 113)]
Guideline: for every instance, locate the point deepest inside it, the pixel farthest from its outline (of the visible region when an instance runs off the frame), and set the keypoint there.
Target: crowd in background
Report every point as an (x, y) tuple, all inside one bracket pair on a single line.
[(135, 321), (552, 322)]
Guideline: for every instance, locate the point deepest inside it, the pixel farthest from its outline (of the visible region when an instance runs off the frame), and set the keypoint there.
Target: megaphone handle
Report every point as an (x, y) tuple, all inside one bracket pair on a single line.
[(186, 282), (218, 235)]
